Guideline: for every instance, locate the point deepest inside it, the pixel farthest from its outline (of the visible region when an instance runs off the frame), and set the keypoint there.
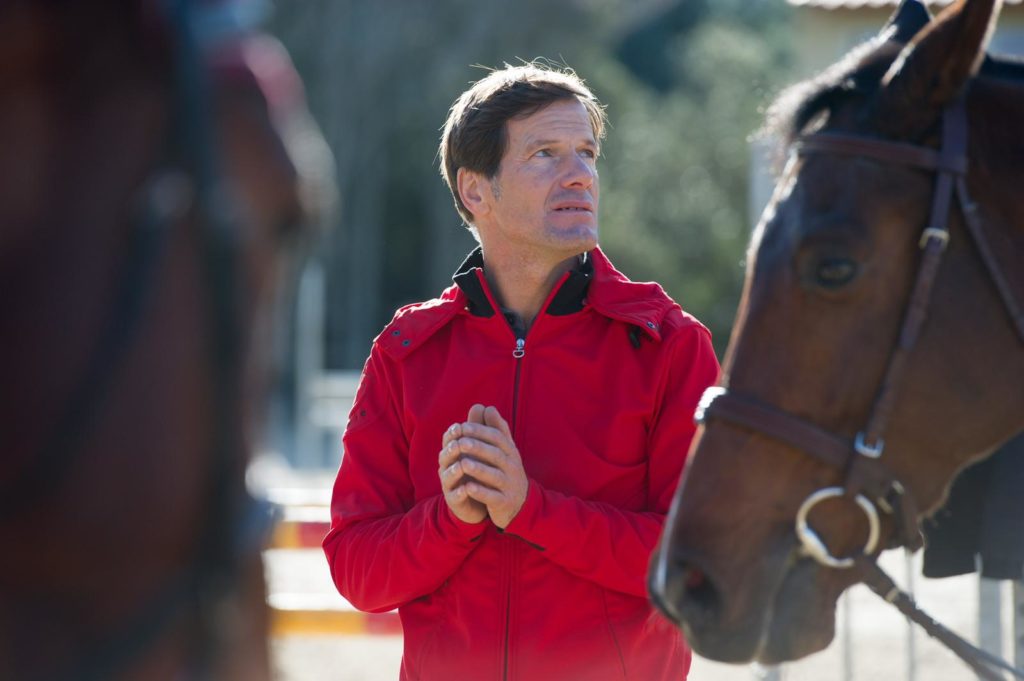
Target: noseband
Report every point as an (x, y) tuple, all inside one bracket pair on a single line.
[(867, 481)]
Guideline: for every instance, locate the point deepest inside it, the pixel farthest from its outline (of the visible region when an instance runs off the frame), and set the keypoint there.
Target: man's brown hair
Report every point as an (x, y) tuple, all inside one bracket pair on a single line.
[(475, 134)]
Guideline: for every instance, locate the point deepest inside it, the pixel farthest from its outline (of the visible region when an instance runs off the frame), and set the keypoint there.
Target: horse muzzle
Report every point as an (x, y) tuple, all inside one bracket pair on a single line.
[(686, 594)]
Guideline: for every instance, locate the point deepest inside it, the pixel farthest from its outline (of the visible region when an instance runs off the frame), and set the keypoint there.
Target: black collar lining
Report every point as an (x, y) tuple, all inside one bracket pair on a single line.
[(570, 298), (466, 279)]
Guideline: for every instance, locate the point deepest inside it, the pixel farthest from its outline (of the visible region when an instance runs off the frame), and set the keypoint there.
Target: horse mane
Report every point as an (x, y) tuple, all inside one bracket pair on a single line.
[(858, 74)]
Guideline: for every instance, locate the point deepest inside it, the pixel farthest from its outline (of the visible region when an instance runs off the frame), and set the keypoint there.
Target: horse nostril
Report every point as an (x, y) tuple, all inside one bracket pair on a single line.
[(683, 591), (693, 578), (699, 594)]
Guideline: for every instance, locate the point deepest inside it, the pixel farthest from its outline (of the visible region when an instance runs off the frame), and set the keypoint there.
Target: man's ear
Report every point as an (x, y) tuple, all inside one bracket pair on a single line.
[(474, 190)]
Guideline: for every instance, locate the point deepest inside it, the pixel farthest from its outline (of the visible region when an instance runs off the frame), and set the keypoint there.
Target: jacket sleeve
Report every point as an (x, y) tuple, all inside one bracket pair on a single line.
[(605, 544), (385, 549)]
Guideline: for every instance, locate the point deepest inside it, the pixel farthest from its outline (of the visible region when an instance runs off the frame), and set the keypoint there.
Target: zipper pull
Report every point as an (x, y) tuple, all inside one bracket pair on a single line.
[(520, 348)]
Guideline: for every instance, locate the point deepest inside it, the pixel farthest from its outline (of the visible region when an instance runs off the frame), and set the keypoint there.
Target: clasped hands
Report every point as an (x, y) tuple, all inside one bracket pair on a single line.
[(480, 469)]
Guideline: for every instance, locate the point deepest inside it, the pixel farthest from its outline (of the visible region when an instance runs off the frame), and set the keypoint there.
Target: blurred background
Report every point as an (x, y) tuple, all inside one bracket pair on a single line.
[(684, 84), (683, 181)]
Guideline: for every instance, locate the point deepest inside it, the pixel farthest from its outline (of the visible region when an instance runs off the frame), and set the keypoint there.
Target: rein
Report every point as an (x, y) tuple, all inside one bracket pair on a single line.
[(867, 481)]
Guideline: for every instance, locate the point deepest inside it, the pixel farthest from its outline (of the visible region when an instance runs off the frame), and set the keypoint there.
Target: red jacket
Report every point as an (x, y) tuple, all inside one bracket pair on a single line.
[(600, 406)]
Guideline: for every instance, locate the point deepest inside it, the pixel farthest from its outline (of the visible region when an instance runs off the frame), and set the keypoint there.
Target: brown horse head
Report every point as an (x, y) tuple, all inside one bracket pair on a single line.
[(150, 180), (830, 277)]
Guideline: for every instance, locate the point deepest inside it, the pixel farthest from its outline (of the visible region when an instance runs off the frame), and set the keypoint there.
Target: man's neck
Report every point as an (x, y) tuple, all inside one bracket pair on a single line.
[(521, 285)]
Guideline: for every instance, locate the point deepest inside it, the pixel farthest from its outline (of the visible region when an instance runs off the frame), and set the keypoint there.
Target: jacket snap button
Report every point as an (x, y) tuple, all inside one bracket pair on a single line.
[(405, 342), (396, 332), (650, 325)]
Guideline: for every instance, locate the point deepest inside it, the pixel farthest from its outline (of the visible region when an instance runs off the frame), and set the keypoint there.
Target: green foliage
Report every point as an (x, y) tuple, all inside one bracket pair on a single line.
[(676, 167)]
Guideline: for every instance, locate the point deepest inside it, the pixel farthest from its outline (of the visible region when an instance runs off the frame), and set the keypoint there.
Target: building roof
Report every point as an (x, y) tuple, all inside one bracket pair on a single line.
[(857, 4)]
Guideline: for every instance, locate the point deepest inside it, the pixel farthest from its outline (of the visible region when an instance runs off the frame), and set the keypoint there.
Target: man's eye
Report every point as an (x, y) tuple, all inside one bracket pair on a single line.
[(588, 153), (543, 152)]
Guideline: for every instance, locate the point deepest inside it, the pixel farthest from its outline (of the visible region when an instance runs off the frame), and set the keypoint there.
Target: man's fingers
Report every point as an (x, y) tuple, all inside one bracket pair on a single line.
[(494, 419), (481, 451), (451, 475), (488, 434), (448, 455), (477, 448), (458, 495), (454, 432), (485, 495), (480, 472), (467, 456), (476, 414)]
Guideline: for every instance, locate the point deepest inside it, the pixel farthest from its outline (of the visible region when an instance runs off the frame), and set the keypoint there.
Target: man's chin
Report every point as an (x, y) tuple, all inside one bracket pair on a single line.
[(578, 238)]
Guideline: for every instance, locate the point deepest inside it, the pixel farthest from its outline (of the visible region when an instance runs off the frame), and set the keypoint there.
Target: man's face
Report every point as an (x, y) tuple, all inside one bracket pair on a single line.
[(544, 196)]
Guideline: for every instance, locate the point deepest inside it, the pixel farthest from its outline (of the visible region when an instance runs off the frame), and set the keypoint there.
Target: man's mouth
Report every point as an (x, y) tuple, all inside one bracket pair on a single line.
[(574, 208)]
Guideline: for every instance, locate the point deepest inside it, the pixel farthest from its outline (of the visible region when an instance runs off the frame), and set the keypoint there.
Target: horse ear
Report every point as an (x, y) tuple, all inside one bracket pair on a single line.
[(934, 68), (908, 19)]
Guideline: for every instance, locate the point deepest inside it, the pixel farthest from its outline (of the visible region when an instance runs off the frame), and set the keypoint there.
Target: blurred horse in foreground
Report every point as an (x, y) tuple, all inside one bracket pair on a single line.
[(879, 345), (158, 160)]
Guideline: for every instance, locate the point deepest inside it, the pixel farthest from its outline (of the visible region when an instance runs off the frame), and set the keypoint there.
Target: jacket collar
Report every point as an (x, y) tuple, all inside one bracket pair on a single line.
[(642, 304), (594, 282), (597, 285)]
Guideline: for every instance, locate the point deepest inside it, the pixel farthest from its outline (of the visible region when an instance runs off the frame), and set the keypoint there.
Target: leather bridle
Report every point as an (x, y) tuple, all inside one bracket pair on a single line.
[(867, 481)]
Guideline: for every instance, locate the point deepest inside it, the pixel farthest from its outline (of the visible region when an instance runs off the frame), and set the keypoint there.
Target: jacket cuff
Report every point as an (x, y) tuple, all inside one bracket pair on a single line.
[(524, 522), (460, 529)]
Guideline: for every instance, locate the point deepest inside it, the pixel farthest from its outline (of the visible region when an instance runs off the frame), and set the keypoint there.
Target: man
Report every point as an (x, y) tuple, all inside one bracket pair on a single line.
[(514, 444)]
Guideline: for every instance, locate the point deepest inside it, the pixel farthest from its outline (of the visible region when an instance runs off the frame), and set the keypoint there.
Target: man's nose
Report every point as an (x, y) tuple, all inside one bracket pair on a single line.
[(579, 172)]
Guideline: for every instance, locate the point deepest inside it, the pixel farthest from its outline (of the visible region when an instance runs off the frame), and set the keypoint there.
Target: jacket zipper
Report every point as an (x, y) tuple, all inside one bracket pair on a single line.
[(508, 613), (518, 353)]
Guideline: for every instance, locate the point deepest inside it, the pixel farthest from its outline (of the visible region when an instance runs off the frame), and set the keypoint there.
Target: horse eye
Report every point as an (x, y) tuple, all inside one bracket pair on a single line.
[(836, 272)]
